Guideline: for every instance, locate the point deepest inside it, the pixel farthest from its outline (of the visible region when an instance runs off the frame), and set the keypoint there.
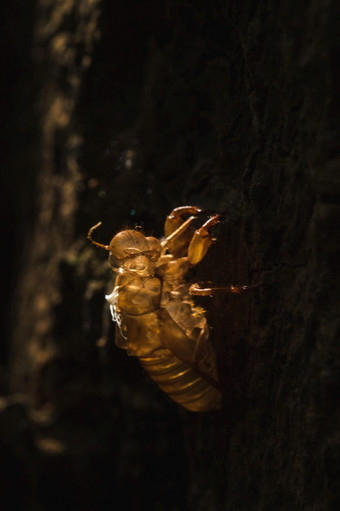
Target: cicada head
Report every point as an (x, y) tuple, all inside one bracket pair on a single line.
[(134, 252), (128, 244)]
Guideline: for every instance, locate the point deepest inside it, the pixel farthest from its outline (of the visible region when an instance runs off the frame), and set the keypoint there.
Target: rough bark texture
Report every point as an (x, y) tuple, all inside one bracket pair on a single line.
[(120, 112)]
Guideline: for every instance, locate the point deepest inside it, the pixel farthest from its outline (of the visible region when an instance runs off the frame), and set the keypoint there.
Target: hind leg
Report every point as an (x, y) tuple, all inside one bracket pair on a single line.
[(203, 358), (196, 290)]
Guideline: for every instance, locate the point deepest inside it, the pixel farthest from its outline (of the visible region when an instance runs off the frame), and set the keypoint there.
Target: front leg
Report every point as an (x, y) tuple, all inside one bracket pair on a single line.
[(199, 244), (178, 232), (201, 241), (175, 219)]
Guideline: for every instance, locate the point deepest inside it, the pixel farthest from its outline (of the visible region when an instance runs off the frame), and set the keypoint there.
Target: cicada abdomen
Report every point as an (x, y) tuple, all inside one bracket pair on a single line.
[(182, 384)]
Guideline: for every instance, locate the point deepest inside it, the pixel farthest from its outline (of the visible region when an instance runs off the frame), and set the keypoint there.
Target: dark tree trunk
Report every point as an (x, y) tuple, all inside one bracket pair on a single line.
[(120, 112)]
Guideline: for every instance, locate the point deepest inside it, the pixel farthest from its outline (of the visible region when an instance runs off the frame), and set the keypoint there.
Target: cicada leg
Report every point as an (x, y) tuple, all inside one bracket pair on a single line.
[(181, 240), (197, 290), (178, 232), (175, 219), (201, 354), (209, 379), (201, 241)]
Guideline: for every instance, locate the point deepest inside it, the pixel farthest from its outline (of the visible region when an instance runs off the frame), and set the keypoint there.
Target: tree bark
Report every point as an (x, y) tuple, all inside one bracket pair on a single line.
[(120, 113)]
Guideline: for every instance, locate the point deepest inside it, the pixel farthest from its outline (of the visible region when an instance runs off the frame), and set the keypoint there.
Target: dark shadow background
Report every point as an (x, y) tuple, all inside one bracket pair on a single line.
[(120, 112)]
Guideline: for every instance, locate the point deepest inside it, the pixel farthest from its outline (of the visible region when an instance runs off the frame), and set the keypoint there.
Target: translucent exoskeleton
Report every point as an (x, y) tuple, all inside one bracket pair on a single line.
[(151, 303)]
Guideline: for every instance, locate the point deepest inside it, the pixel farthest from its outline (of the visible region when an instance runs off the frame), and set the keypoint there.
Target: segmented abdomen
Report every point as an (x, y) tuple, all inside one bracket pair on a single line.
[(180, 382)]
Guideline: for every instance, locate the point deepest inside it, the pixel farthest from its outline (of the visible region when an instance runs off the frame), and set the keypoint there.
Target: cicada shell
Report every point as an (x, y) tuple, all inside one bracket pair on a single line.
[(153, 307)]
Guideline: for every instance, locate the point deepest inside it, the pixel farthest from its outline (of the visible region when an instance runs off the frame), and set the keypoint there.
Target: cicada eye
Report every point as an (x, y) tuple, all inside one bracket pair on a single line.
[(112, 260)]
